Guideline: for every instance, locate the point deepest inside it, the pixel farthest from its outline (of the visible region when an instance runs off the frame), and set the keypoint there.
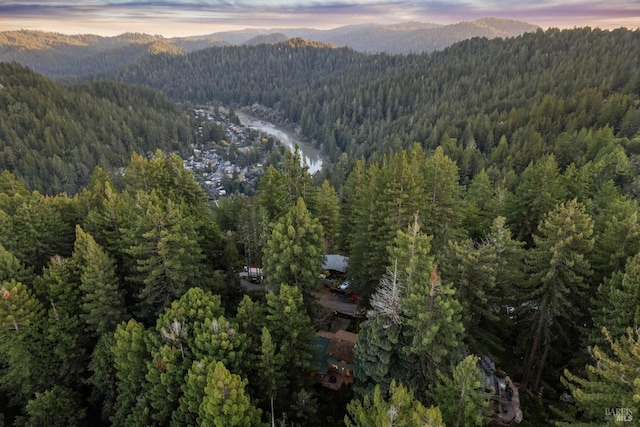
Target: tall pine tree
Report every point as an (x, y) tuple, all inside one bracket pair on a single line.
[(553, 302), (168, 257), (225, 402), (293, 333), (460, 397), (400, 408), (103, 306), (611, 385), (295, 251)]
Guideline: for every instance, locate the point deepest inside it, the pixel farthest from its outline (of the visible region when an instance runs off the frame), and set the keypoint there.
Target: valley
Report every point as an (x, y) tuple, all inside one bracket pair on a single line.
[(310, 156), (486, 196)]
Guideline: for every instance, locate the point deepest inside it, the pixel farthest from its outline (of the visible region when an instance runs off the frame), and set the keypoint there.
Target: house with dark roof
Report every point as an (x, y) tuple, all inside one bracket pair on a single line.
[(335, 358)]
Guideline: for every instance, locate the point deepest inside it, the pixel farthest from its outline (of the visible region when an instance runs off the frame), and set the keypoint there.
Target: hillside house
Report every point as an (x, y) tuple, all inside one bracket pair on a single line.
[(505, 399), (335, 358)]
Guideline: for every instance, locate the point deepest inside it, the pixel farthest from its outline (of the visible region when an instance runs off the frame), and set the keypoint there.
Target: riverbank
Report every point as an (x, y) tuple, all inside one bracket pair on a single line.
[(311, 156), (266, 114)]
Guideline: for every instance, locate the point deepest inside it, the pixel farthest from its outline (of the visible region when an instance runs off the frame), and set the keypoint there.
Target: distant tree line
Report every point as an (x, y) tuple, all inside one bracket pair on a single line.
[(63, 56)]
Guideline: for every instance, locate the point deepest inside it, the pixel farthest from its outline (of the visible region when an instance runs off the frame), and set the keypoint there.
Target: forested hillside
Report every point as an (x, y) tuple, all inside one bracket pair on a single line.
[(546, 83), (63, 57), (486, 196), (244, 75), (53, 136)]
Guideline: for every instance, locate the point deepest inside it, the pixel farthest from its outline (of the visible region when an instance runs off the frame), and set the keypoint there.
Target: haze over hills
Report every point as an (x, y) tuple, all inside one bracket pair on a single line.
[(59, 55), (271, 38), (409, 37)]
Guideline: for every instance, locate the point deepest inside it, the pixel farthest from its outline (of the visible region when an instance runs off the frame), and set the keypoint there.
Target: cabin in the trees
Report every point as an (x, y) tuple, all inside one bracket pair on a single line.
[(335, 358), (505, 400), (335, 268)]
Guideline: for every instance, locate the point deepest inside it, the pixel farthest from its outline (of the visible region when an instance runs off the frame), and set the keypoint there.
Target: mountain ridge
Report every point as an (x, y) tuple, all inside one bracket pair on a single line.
[(402, 38), (59, 55)]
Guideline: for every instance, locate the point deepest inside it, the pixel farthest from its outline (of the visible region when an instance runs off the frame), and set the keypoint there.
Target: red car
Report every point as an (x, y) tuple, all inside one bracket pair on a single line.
[(354, 298)]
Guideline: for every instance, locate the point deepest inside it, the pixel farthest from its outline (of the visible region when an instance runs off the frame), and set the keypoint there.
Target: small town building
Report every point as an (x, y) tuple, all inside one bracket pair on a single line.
[(335, 358)]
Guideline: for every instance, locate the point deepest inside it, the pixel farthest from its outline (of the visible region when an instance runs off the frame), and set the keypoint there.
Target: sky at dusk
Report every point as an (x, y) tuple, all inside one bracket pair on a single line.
[(172, 18)]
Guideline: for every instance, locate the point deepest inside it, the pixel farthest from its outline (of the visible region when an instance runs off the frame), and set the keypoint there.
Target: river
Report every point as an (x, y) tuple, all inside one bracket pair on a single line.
[(310, 155)]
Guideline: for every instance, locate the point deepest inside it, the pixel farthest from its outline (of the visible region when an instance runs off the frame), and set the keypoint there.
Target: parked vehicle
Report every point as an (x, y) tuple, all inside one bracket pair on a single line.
[(252, 274), (344, 285)]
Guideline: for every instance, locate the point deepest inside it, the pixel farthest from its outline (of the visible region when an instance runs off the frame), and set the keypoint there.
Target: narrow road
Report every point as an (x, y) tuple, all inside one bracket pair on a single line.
[(332, 301), (250, 286), (336, 302)]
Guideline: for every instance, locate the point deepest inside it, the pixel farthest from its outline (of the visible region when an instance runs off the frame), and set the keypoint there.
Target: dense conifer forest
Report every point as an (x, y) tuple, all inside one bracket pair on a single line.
[(548, 83), (486, 196), (53, 136)]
